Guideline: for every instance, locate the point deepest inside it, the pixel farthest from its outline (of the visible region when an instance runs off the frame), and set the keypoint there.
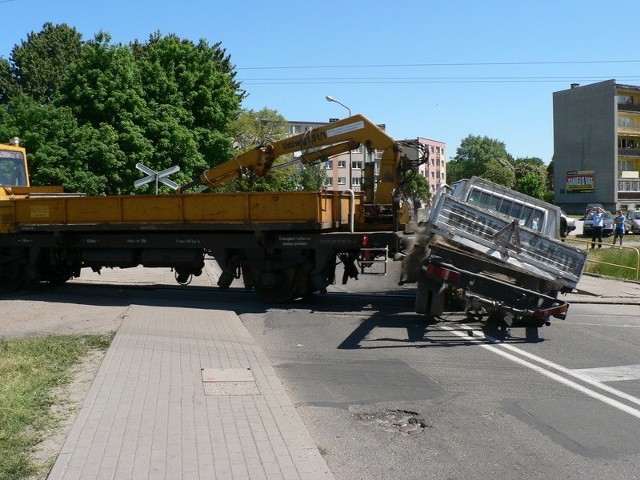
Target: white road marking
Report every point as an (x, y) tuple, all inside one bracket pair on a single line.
[(480, 340), (611, 374), (575, 373)]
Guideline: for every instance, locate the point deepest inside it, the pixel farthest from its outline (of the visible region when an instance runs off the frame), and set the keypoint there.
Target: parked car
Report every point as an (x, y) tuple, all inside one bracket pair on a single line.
[(587, 228), (589, 207), (567, 224), (632, 221)]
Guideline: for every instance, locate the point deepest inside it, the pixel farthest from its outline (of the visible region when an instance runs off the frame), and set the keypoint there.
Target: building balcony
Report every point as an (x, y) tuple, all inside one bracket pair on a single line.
[(626, 128), (629, 185), (628, 107), (629, 152)]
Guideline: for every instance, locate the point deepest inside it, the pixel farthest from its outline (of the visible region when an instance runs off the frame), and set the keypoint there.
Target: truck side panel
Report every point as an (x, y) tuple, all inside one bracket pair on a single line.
[(500, 237), (324, 209)]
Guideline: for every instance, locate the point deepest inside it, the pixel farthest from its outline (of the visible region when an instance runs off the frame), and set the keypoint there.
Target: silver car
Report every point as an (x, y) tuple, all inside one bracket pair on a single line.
[(587, 228), (567, 224), (632, 221)]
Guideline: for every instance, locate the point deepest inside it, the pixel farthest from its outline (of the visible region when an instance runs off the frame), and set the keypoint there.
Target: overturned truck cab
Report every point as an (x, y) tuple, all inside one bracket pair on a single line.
[(499, 251)]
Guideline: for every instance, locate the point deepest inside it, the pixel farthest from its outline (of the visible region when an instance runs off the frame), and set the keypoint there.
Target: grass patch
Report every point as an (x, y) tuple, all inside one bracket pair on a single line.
[(613, 262), (610, 262), (30, 369)]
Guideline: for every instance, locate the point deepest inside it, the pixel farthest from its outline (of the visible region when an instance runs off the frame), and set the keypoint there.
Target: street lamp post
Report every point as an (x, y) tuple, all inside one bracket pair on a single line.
[(331, 99)]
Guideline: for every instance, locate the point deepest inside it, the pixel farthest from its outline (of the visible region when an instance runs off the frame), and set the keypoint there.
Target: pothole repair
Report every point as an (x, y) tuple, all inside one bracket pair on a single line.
[(401, 421)]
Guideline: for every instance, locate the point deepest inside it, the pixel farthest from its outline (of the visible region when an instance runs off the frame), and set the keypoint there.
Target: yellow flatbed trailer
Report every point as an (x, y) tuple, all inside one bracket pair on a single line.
[(284, 245), (316, 210)]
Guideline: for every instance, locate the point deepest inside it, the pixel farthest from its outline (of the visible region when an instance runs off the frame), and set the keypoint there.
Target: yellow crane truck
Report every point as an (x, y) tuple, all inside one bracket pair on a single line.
[(284, 245), (496, 248)]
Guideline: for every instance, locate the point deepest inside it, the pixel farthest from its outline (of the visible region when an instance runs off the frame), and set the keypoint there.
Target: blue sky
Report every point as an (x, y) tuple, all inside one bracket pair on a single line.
[(435, 69)]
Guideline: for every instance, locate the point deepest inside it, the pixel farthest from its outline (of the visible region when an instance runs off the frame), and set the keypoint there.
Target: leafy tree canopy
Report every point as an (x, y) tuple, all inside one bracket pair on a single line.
[(256, 128), (480, 156), (96, 109), (38, 65), (418, 189), (488, 158)]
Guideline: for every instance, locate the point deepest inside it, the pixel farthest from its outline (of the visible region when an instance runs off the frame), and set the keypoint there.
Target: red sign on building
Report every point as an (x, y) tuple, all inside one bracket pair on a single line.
[(581, 181)]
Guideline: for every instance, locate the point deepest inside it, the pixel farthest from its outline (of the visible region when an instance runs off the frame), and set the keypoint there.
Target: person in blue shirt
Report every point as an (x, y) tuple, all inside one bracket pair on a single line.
[(618, 227), (597, 214)]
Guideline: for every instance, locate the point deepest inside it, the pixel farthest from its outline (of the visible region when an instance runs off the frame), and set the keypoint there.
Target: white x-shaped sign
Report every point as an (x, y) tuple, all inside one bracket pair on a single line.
[(153, 176)]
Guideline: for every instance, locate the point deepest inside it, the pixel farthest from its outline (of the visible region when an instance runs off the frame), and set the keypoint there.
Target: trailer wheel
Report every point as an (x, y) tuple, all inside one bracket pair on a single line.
[(276, 286), (59, 278), (58, 274)]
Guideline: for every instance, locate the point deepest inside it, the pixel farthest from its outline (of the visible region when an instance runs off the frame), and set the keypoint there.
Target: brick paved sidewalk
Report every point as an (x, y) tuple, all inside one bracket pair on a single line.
[(187, 393)]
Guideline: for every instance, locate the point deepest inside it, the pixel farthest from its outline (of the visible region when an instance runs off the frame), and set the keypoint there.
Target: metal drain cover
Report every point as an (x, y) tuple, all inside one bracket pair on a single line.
[(229, 381)]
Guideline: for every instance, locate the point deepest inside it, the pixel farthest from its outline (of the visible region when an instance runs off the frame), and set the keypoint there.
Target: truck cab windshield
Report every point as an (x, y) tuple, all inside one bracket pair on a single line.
[(12, 169)]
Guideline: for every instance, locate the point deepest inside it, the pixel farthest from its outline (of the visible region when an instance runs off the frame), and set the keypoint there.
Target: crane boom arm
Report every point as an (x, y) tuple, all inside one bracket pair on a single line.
[(317, 144)]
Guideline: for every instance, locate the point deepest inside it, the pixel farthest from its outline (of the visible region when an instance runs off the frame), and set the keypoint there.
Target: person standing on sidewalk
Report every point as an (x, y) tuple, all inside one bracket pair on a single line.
[(618, 224), (597, 214)]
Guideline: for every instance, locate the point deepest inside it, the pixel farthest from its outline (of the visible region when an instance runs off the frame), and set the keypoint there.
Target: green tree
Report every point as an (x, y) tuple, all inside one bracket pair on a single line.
[(104, 91), (37, 66), (192, 93), (499, 170), (312, 177), (418, 190), (531, 174), (483, 157), (59, 150), (551, 179), (455, 171), (253, 128), (162, 103), (8, 83), (256, 128)]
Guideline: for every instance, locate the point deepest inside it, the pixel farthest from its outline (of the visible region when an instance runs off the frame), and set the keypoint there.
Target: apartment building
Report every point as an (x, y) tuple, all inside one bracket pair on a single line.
[(435, 170), (596, 136), (345, 171)]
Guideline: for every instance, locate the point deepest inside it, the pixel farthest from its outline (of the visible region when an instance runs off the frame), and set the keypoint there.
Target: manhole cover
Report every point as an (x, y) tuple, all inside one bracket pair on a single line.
[(229, 382), (401, 421)]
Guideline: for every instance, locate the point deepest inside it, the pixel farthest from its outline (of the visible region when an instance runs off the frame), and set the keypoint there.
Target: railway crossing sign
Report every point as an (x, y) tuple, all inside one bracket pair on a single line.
[(157, 177)]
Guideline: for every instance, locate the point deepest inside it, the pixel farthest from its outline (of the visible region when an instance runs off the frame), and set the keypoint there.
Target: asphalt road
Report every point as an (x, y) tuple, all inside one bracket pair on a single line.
[(386, 396)]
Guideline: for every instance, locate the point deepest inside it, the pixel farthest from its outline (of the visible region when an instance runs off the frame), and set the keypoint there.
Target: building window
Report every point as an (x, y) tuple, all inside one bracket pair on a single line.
[(342, 164), (625, 99), (329, 165), (626, 123), (342, 180), (356, 165), (328, 182), (356, 181), (626, 165), (626, 143)]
